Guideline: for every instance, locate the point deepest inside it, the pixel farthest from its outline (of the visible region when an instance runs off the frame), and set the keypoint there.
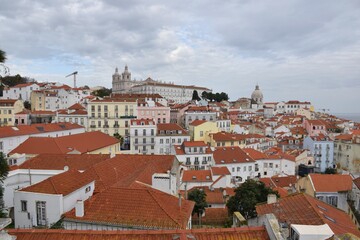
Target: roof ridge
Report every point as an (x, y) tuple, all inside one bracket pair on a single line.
[(155, 199)]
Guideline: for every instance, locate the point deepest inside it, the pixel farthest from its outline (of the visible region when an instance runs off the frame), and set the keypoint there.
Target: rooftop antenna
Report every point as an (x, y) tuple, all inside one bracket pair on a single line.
[(74, 73)]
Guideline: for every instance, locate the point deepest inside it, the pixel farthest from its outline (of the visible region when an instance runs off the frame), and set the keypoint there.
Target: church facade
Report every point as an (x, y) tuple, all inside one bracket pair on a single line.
[(122, 83)]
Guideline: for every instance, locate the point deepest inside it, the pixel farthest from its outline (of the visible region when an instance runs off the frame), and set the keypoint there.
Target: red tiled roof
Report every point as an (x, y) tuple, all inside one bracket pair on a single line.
[(197, 176), (194, 144), (124, 169), (76, 106), (135, 207), (214, 216), (345, 137), (220, 171), (24, 85), (256, 155), (331, 182), (241, 233), (142, 121), (169, 126), (356, 181), (59, 161), (277, 181), (231, 155), (306, 210), (36, 129), (197, 122), (7, 102), (82, 142), (63, 183), (225, 136)]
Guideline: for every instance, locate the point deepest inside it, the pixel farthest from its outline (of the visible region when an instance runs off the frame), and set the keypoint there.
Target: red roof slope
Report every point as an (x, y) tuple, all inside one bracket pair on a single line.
[(331, 182), (304, 209), (231, 155), (197, 176), (82, 142), (59, 161), (243, 233), (136, 207), (36, 129), (125, 169), (63, 183)]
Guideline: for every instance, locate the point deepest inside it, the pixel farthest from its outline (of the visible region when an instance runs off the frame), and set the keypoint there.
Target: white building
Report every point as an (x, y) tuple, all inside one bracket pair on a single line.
[(74, 114), (168, 135), (20, 91), (194, 155), (240, 165), (322, 148), (43, 204), (142, 136), (199, 113), (292, 106)]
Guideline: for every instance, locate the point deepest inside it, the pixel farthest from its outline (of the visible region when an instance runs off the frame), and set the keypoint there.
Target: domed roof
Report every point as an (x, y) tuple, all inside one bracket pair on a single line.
[(257, 93), (116, 71)]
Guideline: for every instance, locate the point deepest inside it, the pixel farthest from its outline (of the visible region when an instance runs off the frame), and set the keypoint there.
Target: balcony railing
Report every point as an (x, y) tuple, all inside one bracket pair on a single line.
[(105, 126), (116, 125), (92, 126)]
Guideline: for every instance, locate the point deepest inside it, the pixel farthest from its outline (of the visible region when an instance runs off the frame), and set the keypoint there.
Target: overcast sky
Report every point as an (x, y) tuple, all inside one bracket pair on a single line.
[(303, 50)]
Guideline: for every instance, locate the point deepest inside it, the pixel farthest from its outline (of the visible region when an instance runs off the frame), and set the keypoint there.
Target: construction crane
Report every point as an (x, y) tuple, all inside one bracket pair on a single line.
[(74, 73)]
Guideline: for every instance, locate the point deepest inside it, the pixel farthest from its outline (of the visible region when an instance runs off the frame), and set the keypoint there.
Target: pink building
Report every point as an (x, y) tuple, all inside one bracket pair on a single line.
[(154, 110), (315, 127)]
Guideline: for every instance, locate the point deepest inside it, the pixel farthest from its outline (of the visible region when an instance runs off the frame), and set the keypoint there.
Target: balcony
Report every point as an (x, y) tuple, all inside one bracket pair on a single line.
[(204, 162), (196, 163), (256, 169), (116, 126), (92, 126), (105, 126), (128, 116)]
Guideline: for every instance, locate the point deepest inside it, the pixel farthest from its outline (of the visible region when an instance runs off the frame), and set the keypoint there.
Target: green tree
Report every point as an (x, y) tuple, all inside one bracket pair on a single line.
[(195, 96), (4, 169), (27, 105), (2, 56), (330, 171), (199, 197), (119, 137), (247, 195), (102, 92)]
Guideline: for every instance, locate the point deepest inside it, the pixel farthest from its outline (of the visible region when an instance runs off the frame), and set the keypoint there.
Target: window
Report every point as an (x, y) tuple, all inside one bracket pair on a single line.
[(23, 206), (167, 140), (152, 132), (41, 213), (238, 169), (87, 189), (144, 132), (270, 165), (161, 141), (265, 165), (136, 132), (201, 133)]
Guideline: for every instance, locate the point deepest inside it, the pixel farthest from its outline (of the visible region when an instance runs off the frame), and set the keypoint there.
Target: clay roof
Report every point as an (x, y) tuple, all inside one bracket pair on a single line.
[(231, 155), (24, 85), (124, 169), (356, 181), (220, 171), (216, 216), (256, 155), (197, 176), (213, 196), (345, 137), (63, 183), (241, 233), (197, 122), (76, 106), (225, 136), (279, 181), (7, 102), (21, 130), (331, 182), (315, 122), (82, 142), (143, 121), (306, 210), (136, 207), (59, 161), (194, 144)]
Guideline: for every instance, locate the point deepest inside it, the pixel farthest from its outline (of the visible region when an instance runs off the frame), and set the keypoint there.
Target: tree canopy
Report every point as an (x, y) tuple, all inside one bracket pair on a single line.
[(102, 92), (4, 169), (199, 197), (2, 56), (195, 96), (218, 97), (247, 195)]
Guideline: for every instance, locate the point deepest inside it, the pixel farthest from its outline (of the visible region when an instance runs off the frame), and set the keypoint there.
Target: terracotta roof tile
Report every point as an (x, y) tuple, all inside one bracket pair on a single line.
[(136, 207), (304, 209), (331, 182), (63, 183), (256, 155), (356, 181), (82, 142), (242, 233), (220, 171), (76, 106), (197, 176), (194, 144), (36, 129), (197, 122), (59, 161), (231, 155), (225, 136)]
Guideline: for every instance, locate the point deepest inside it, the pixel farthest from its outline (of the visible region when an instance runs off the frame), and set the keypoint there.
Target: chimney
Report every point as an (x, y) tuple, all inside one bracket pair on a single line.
[(79, 208), (271, 198)]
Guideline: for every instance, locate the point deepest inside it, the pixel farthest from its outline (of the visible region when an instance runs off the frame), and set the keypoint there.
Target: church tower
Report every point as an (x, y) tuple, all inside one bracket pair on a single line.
[(116, 81)]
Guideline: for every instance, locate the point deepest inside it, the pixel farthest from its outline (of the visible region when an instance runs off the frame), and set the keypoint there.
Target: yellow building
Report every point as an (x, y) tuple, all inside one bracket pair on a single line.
[(224, 139), (110, 115), (8, 109), (200, 130)]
